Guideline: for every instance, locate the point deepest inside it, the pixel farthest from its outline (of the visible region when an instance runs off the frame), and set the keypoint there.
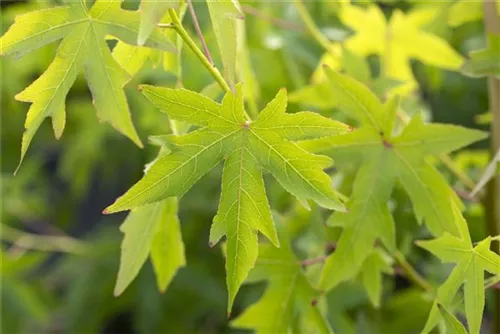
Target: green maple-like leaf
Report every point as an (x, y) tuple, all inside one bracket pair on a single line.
[(486, 61), (288, 295), (247, 148), (384, 158), (83, 45), (151, 230), (471, 262)]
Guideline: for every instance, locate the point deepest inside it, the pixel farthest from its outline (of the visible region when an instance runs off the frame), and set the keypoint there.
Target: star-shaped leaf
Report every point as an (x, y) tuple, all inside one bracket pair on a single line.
[(486, 61), (317, 93), (471, 262), (384, 159), (288, 296), (247, 148), (151, 230), (398, 40), (83, 32)]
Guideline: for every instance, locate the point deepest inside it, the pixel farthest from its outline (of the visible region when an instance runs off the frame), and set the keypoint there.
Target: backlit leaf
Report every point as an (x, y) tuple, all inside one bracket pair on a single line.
[(385, 158), (397, 41), (151, 230), (224, 14), (83, 45), (248, 148)]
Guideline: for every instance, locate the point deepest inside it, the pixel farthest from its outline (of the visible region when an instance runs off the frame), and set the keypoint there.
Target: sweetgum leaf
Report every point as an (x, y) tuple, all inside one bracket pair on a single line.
[(247, 148), (151, 230), (471, 262), (288, 295), (83, 45), (398, 40), (384, 159)]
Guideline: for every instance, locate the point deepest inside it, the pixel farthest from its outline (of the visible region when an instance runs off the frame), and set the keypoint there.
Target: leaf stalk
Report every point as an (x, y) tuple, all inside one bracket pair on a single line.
[(192, 45), (411, 273)]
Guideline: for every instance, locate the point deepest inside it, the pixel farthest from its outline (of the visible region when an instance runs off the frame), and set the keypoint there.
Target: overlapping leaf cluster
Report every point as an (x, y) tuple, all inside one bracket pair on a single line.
[(384, 157), (385, 154)]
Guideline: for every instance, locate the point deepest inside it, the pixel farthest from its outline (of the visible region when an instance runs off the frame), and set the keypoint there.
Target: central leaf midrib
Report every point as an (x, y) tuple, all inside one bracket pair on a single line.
[(244, 135)]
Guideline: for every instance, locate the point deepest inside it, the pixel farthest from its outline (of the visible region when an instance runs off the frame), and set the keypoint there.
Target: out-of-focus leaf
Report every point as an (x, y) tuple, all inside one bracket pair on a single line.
[(152, 11), (151, 229), (402, 157), (486, 61), (288, 296), (464, 11), (397, 41), (224, 15)]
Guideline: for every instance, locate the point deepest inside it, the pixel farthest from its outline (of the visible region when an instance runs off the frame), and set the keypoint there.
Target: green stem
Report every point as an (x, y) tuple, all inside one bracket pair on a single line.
[(192, 45), (41, 242), (492, 209), (312, 28), (459, 174), (411, 273)]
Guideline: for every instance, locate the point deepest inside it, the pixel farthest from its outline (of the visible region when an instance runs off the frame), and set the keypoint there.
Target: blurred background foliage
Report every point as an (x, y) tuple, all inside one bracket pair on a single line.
[(64, 283)]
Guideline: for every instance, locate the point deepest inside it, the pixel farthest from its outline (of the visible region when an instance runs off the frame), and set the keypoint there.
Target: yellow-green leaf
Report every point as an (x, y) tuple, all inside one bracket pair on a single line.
[(83, 32)]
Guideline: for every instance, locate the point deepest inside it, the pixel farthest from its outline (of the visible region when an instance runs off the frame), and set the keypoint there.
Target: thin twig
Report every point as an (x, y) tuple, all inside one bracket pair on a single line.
[(23, 240), (315, 260), (273, 20), (463, 194), (198, 31), (411, 273)]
